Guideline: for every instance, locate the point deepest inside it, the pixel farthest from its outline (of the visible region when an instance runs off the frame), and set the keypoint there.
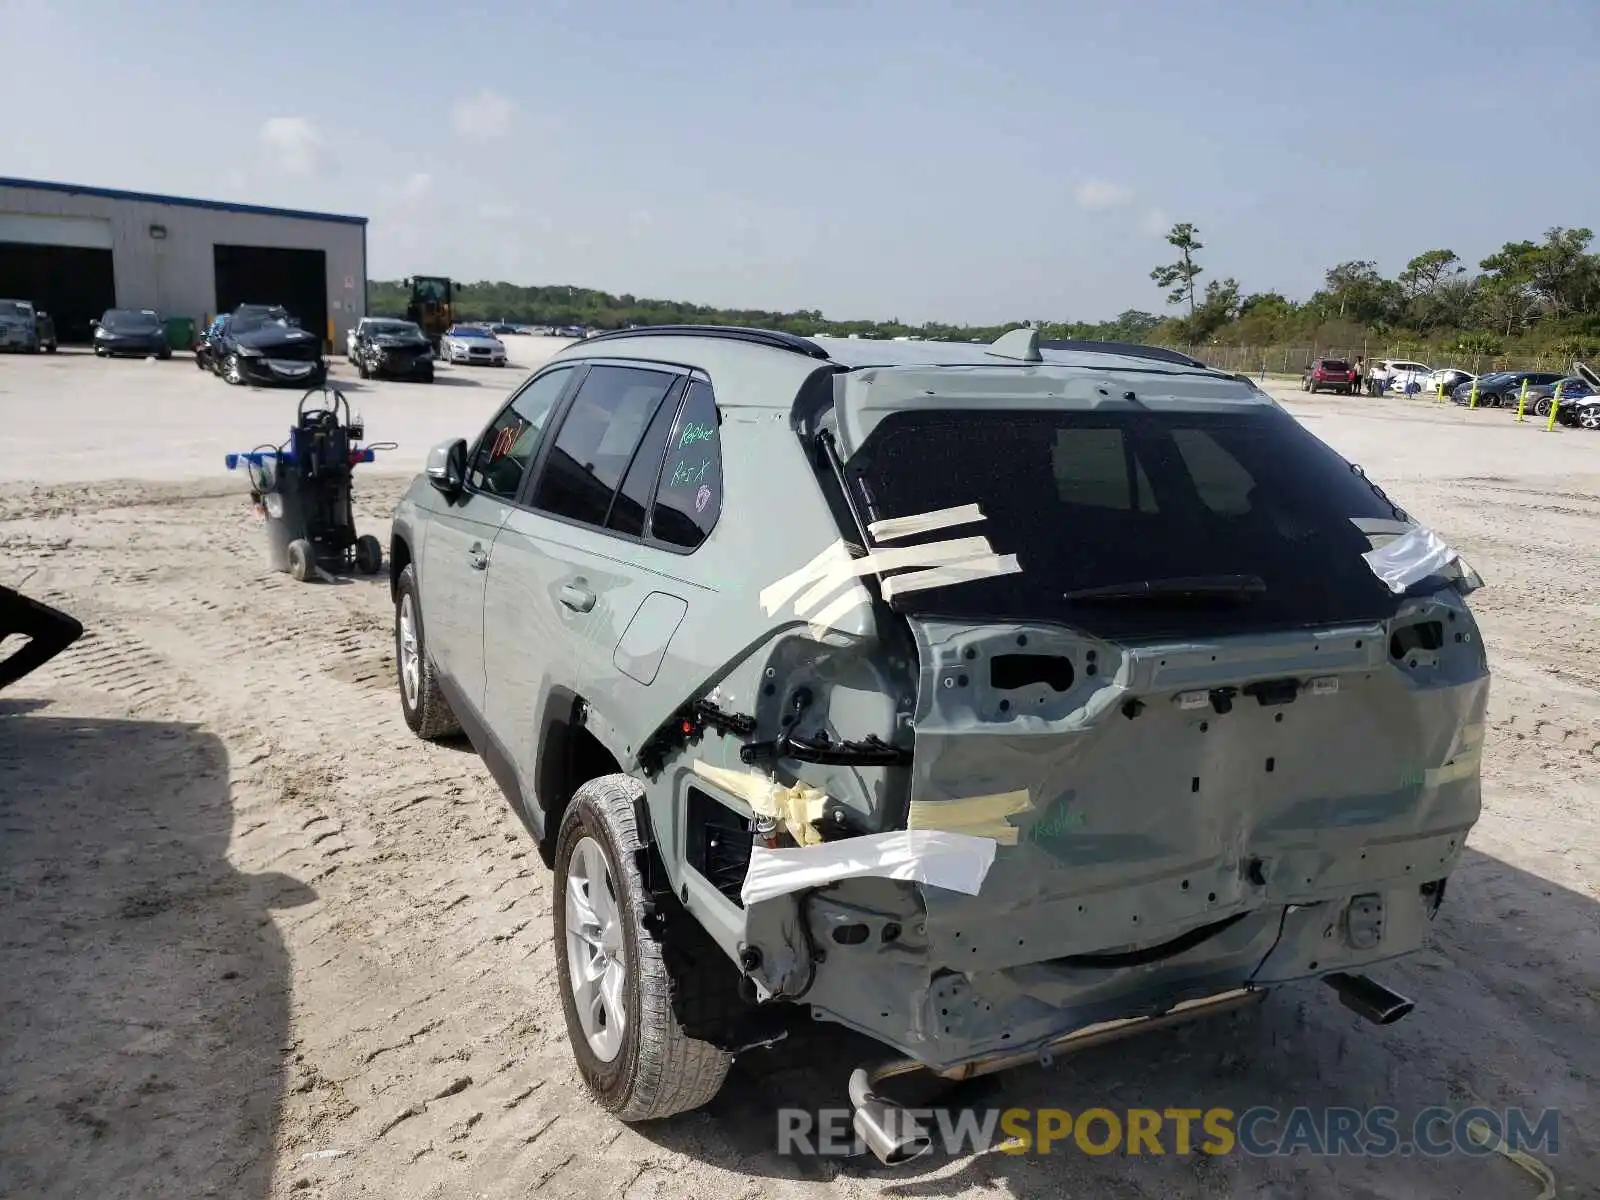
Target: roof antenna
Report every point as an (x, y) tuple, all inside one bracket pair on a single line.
[(1021, 345)]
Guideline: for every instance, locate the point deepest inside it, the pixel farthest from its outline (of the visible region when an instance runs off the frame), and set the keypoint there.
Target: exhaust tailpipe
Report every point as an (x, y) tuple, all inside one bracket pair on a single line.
[(1371, 999), (889, 1131)]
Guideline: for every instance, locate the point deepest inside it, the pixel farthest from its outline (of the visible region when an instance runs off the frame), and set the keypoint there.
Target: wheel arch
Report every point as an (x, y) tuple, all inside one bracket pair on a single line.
[(400, 557)]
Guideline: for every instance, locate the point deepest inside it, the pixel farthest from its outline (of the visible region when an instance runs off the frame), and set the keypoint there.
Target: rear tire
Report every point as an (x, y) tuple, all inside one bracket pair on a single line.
[(1541, 407), (422, 703), (648, 1068), (302, 560)]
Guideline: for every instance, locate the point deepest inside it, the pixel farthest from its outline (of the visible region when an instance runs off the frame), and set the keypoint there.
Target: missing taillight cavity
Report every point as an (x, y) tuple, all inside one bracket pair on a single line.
[(1425, 635), (1007, 672)]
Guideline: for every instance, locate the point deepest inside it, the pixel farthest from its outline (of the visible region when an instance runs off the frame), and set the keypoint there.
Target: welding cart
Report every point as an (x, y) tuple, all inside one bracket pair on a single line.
[(302, 490)]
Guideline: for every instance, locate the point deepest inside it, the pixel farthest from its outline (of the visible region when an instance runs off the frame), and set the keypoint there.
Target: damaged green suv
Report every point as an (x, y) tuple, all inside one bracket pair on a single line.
[(986, 700)]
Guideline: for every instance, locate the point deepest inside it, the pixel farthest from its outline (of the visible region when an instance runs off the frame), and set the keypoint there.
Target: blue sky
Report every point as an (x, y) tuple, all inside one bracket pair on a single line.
[(935, 160)]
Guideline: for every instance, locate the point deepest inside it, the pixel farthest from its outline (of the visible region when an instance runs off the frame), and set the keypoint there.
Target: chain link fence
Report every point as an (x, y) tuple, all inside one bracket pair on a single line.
[(1293, 360)]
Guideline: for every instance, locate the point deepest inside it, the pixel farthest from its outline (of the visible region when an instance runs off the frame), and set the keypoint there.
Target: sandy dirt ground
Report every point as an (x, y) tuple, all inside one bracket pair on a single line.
[(260, 941)]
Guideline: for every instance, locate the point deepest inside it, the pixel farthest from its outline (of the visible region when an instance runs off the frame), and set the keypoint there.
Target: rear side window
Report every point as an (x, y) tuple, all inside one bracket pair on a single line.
[(597, 439), (689, 497), (508, 445)]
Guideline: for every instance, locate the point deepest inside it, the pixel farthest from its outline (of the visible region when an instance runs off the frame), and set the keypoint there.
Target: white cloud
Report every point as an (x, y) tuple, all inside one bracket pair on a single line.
[(496, 210), (294, 142), (483, 117), (1098, 195), (1156, 223)]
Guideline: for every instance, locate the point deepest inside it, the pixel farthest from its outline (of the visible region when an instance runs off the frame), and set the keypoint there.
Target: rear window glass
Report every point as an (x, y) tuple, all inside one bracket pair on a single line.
[(1335, 364), (1093, 499)]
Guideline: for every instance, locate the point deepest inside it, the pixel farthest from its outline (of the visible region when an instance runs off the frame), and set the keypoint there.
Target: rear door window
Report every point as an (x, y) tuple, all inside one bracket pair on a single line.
[(595, 444), (630, 510)]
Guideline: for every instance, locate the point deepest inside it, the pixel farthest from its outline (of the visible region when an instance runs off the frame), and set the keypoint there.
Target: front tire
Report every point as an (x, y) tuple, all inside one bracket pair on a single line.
[(422, 703), (231, 370), (634, 1057)]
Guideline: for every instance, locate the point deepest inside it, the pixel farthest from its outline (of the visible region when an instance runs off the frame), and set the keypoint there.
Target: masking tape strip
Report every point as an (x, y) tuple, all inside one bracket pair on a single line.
[(895, 559), (986, 567), (755, 790), (775, 595), (1461, 766), (829, 617), (1478, 1130), (890, 528), (976, 816), (930, 857), (795, 807)]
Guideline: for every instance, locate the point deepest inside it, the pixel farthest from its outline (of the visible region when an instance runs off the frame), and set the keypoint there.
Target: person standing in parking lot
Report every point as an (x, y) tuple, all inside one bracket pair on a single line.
[(1361, 373)]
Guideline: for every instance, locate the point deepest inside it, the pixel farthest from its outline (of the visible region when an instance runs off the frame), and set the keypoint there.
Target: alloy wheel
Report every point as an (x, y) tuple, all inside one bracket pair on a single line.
[(595, 954), (410, 652)]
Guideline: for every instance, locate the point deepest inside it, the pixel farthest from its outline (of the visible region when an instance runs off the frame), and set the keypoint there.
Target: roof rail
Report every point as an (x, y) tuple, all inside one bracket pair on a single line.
[(1130, 349), (775, 339)]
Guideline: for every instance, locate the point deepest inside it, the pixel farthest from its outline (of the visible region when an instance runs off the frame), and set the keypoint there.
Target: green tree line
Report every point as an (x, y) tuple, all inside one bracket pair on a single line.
[(1528, 297)]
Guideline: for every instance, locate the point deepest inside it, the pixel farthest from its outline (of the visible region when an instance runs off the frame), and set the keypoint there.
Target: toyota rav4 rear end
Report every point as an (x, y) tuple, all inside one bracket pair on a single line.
[(1184, 706)]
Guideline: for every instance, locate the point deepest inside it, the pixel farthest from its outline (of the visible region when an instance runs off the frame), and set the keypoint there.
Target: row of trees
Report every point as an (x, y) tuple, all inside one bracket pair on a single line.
[(1530, 296), (1527, 298)]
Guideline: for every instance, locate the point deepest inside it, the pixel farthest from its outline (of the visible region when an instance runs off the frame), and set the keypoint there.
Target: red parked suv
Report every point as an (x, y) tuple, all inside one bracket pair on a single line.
[(1333, 373)]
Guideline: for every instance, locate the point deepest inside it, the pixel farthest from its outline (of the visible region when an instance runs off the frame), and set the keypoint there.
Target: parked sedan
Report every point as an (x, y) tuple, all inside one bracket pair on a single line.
[(1500, 389), (1447, 377), (1581, 412), (263, 344), (23, 327), (1541, 396), (397, 349), (136, 331), (472, 344)]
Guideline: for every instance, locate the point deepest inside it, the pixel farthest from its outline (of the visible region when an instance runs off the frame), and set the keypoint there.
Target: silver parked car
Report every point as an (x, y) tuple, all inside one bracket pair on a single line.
[(969, 697), (472, 344)]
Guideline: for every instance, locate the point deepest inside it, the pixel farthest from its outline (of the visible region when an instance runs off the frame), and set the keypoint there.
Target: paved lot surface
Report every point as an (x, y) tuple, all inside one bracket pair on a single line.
[(259, 941)]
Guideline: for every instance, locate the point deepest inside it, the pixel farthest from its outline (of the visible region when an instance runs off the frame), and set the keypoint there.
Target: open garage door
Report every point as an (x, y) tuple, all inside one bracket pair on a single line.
[(61, 264), (296, 279)]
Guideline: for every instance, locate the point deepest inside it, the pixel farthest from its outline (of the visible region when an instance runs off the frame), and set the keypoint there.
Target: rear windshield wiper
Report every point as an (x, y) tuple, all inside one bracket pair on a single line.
[(1198, 587)]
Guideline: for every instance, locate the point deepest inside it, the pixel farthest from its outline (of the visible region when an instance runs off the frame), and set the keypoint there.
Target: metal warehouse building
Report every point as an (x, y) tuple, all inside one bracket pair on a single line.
[(77, 251)]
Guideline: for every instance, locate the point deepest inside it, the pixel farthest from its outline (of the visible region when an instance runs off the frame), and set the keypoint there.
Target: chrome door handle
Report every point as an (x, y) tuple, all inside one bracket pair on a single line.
[(478, 558), (576, 598)]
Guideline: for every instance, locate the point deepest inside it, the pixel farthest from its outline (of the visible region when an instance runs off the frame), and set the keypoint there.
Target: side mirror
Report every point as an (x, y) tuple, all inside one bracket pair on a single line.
[(447, 467)]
